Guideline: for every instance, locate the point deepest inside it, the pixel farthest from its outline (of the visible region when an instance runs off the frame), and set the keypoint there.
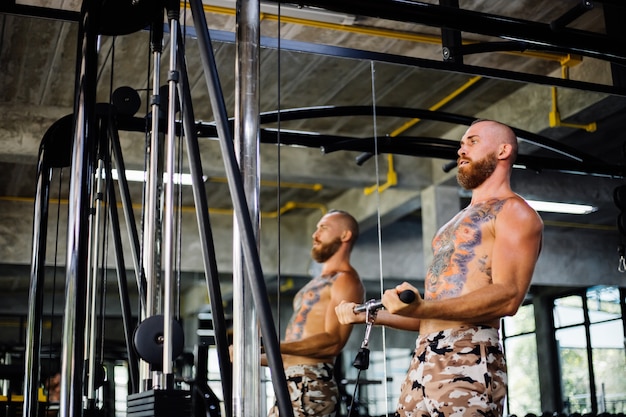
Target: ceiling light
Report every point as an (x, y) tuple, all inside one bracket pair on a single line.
[(139, 176), (565, 208)]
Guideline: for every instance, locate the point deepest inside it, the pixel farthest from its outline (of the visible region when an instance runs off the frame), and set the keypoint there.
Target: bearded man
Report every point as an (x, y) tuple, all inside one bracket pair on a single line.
[(314, 336), (482, 267)]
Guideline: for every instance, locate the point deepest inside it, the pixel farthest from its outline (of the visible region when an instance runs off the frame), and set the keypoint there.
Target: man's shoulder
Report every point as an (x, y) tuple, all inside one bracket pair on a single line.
[(348, 274), (519, 208), (513, 205), (348, 280), (519, 219)]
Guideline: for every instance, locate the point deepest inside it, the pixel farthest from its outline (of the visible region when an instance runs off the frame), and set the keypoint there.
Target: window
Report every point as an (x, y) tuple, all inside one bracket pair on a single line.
[(120, 379), (520, 347), (607, 347), (590, 343), (569, 319)]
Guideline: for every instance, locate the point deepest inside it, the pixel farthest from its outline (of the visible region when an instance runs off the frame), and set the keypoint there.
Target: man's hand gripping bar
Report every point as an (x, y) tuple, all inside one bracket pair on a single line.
[(371, 306)]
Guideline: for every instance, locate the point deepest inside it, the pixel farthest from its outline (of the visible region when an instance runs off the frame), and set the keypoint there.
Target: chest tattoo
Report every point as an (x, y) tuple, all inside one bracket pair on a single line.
[(303, 303), (455, 247)]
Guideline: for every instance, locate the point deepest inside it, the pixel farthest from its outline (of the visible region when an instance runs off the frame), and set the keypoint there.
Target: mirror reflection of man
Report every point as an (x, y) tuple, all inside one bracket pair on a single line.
[(314, 336)]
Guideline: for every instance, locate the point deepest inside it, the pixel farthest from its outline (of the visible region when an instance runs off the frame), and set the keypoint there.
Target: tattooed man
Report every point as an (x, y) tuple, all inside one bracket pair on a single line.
[(484, 258), (314, 336)]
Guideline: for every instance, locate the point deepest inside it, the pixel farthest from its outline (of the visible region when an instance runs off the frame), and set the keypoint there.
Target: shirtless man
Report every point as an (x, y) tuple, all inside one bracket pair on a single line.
[(314, 337), (484, 258)]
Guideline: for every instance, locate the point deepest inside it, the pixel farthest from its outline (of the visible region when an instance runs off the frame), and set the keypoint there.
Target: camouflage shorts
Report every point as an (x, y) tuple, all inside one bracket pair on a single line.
[(312, 389), (455, 373)]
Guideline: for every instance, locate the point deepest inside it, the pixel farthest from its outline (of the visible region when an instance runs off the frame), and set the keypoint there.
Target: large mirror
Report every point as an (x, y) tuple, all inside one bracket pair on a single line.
[(330, 100)]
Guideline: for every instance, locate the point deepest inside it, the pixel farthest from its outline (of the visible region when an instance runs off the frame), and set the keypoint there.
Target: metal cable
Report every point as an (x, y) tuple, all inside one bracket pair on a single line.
[(378, 224)]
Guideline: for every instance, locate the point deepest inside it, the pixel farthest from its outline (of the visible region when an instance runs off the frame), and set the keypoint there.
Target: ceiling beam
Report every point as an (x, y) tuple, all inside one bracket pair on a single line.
[(540, 35)]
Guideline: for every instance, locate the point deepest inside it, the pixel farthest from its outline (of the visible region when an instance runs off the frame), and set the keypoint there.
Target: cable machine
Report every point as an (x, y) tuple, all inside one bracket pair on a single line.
[(86, 136)]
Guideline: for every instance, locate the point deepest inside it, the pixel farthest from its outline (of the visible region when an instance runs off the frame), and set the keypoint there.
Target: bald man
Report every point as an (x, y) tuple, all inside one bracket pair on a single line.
[(484, 259), (314, 336)]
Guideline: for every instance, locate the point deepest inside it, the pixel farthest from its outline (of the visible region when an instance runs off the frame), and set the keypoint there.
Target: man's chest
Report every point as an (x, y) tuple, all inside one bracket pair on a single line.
[(316, 292)]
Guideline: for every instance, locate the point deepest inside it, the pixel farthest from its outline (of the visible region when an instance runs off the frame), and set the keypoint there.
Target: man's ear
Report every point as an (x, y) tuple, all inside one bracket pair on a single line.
[(504, 150), (346, 236)]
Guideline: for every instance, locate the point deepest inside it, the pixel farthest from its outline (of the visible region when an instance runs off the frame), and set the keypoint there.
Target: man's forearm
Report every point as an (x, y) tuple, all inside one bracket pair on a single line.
[(318, 346)]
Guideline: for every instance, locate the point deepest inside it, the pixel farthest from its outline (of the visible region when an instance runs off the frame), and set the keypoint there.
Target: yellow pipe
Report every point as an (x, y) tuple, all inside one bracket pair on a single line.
[(571, 60), (392, 176), (438, 105), (288, 285), (292, 205), (392, 179), (554, 117)]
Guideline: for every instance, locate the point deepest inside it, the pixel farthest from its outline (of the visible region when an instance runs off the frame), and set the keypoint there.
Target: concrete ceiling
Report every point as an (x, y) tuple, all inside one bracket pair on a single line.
[(387, 56)]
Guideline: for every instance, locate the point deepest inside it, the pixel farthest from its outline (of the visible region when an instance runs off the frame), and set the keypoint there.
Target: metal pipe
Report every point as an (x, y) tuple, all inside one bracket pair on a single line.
[(206, 239), (81, 173), (572, 14), (92, 285), (129, 216), (152, 181), (150, 209), (127, 317), (332, 111), (54, 152), (235, 183), (36, 290), (168, 209), (540, 34), (246, 342)]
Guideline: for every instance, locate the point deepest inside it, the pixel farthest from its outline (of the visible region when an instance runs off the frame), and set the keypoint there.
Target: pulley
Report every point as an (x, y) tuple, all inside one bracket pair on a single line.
[(126, 100), (149, 340)]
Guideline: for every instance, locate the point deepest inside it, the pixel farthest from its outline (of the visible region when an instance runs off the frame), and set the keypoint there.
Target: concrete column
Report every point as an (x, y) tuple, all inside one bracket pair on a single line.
[(439, 204), (547, 355)]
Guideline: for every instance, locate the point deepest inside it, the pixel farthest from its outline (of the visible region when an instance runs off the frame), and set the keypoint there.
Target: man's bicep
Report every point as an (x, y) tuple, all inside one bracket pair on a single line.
[(347, 289), (336, 332), (516, 248)]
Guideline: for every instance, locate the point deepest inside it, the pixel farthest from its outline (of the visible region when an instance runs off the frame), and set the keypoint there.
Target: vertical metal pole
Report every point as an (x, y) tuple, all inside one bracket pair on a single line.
[(246, 363), (131, 225), (235, 185), (127, 316), (81, 173), (58, 137), (206, 237), (35, 298), (149, 242), (152, 181), (168, 209), (92, 288)]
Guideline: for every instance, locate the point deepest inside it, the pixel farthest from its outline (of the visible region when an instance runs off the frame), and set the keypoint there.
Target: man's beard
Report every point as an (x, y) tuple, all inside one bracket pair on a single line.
[(323, 252), (475, 173)]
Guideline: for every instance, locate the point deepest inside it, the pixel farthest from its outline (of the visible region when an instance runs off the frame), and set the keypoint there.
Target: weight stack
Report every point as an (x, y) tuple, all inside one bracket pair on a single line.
[(160, 403)]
